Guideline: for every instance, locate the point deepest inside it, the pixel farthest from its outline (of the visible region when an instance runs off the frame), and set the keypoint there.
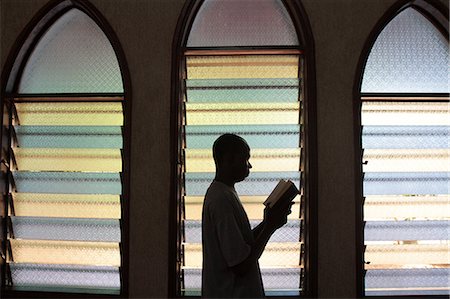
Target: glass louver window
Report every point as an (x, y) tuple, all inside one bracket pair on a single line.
[(256, 94), (406, 159), (64, 163)]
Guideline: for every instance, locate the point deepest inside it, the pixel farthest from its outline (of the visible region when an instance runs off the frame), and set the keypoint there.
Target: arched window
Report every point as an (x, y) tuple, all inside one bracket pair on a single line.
[(64, 160), (406, 172), (242, 69)]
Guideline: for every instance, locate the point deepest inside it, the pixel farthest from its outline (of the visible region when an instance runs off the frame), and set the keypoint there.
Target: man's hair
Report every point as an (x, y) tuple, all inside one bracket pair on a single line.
[(228, 144)]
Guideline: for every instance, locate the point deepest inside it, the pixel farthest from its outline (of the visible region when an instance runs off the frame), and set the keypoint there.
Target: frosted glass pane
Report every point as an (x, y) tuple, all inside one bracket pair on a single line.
[(242, 66), (261, 160), (408, 282), (257, 136), (242, 113), (242, 90), (67, 205), (66, 252), (69, 136), (402, 137), (409, 55), (258, 183), (102, 230), (31, 275), (66, 182), (70, 114), (428, 160), (48, 159), (242, 23), (290, 232), (418, 183), (406, 230), (73, 56), (252, 204), (398, 256), (406, 207), (405, 114)]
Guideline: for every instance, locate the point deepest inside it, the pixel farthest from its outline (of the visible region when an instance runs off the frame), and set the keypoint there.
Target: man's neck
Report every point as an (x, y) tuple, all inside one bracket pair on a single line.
[(224, 179)]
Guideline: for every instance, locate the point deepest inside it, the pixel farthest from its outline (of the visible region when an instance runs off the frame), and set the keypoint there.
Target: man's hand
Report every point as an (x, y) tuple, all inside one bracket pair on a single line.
[(276, 217)]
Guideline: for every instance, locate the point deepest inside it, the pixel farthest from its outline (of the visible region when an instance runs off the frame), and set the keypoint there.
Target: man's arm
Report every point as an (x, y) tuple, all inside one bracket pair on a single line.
[(274, 218)]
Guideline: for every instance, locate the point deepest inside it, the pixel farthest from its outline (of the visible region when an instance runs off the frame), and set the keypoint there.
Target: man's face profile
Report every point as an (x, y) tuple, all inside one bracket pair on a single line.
[(240, 163)]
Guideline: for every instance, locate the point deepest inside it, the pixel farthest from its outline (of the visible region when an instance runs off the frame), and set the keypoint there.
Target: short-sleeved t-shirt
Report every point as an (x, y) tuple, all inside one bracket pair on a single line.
[(227, 239)]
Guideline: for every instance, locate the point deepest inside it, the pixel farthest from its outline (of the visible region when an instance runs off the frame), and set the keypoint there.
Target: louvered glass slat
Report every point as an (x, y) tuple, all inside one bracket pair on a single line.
[(48, 159), (432, 281), (420, 183), (67, 205), (252, 204), (406, 230), (69, 136), (242, 90), (400, 256), (68, 182), (245, 67), (242, 113), (66, 229), (405, 137), (262, 160), (406, 207), (70, 114), (290, 232), (66, 252), (257, 183), (257, 136)]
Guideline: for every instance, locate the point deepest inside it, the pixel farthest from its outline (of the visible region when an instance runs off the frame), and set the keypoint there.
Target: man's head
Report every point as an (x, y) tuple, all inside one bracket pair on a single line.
[(231, 154)]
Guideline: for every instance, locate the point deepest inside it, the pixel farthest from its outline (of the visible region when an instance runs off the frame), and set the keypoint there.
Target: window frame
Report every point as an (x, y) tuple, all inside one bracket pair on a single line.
[(438, 15), (304, 33), (11, 75)]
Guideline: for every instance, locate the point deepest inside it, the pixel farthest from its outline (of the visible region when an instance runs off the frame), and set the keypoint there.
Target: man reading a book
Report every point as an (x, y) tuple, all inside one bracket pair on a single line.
[(231, 249)]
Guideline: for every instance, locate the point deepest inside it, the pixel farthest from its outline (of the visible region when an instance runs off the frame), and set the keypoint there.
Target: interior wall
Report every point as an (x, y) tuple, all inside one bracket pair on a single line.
[(145, 29)]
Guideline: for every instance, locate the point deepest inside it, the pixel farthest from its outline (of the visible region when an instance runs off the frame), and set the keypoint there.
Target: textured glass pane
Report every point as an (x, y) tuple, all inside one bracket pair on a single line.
[(242, 113), (402, 137), (258, 183), (69, 136), (242, 23), (252, 205), (407, 282), (31, 275), (74, 55), (406, 207), (242, 90), (243, 66), (257, 136), (47, 159), (387, 183), (428, 160), (70, 114), (409, 55), (405, 114), (406, 230), (66, 182), (397, 256), (261, 160), (290, 232), (72, 229), (275, 255), (66, 252), (67, 205)]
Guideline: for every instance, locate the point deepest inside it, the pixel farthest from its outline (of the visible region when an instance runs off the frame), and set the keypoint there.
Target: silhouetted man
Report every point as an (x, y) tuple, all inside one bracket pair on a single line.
[(231, 249)]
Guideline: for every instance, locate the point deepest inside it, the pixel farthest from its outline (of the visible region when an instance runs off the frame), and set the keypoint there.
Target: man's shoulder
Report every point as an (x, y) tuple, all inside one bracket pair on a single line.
[(218, 195)]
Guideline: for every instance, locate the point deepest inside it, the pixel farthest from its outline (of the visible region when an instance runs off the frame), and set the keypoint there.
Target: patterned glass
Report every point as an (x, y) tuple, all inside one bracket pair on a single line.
[(257, 97), (73, 56), (221, 23), (410, 55)]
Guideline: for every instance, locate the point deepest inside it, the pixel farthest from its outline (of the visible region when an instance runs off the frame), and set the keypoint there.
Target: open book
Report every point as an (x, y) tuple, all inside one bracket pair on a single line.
[(285, 191)]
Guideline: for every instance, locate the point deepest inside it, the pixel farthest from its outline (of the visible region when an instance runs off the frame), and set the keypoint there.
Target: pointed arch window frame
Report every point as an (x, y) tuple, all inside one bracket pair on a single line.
[(438, 15), (11, 75), (179, 50)]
